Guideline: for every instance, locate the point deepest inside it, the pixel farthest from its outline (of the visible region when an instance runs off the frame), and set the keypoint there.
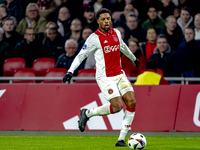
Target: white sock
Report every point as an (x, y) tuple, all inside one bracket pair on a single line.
[(99, 111), (127, 121)]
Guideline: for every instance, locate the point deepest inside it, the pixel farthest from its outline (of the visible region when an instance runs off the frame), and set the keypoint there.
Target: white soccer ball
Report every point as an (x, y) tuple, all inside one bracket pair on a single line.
[(137, 141)]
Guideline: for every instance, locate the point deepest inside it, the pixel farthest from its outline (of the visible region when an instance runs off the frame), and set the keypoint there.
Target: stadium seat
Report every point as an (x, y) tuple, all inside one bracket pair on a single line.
[(24, 72), (86, 73), (41, 65), (11, 64), (55, 72)]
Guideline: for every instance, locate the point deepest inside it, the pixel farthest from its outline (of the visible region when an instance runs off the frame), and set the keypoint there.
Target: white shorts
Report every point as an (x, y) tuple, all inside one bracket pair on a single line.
[(114, 86)]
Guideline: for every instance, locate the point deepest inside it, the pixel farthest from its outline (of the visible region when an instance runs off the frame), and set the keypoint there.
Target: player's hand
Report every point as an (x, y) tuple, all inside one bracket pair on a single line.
[(67, 77), (136, 63)]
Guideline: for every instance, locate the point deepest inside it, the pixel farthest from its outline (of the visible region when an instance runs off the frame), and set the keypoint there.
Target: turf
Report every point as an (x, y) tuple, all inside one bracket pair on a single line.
[(35, 142)]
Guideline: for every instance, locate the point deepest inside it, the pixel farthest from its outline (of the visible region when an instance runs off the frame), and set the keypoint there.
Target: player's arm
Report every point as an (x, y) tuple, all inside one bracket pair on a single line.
[(86, 50), (126, 51)]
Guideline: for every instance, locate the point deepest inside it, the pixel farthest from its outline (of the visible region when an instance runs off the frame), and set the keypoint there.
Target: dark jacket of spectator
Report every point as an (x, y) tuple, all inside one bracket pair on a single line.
[(4, 47), (170, 63), (29, 52), (138, 33), (175, 39), (189, 55), (55, 48), (65, 62), (12, 41), (15, 9)]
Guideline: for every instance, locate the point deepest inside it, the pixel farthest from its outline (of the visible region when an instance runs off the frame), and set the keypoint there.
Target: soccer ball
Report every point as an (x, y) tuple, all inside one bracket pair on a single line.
[(137, 141)]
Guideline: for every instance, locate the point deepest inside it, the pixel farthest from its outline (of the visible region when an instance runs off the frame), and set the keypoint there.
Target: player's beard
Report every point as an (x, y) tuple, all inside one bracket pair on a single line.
[(106, 29)]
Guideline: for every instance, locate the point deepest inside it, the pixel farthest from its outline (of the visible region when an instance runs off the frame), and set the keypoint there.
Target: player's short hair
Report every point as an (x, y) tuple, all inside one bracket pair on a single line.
[(101, 11)]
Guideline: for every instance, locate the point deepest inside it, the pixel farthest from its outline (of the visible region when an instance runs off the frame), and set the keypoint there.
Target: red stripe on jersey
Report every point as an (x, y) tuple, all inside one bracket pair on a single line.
[(111, 49)]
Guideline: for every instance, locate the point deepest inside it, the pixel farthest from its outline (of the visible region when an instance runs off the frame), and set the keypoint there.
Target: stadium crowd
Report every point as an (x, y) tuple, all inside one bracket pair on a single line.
[(57, 29)]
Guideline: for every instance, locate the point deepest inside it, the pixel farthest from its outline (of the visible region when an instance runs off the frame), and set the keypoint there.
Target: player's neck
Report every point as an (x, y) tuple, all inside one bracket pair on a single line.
[(105, 31)]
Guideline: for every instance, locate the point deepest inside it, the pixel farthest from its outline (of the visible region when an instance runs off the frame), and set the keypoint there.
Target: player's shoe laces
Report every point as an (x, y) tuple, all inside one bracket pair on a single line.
[(83, 120), (121, 143)]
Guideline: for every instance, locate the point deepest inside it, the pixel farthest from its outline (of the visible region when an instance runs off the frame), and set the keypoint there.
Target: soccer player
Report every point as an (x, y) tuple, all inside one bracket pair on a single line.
[(106, 44)]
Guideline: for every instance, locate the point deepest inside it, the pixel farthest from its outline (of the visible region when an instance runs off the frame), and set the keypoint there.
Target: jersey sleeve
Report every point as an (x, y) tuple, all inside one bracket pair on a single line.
[(86, 50), (124, 48)]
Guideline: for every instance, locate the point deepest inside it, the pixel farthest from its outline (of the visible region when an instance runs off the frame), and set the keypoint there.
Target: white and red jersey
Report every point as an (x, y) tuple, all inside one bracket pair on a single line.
[(106, 48)]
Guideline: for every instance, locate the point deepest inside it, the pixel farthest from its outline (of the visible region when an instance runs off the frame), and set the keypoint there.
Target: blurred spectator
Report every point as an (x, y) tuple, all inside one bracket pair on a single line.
[(142, 7), (154, 21), (65, 60), (64, 21), (166, 8), (75, 33), (87, 31), (133, 29), (166, 59), (46, 8), (25, 3), (128, 64), (185, 20), (15, 9), (193, 5), (10, 35), (173, 32), (197, 26), (177, 12), (118, 5), (52, 40), (86, 2), (149, 46), (89, 18), (149, 76), (75, 7), (4, 47), (97, 4), (122, 20), (29, 48), (3, 13), (189, 53), (42, 36), (122, 31), (32, 19), (90, 60)]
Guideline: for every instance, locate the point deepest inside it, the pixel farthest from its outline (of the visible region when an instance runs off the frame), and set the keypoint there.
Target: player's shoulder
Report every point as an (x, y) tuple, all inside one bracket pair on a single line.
[(92, 37), (116, 30)]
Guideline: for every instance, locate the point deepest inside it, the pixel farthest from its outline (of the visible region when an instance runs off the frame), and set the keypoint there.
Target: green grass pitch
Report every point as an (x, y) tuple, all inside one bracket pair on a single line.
[(67, 142)]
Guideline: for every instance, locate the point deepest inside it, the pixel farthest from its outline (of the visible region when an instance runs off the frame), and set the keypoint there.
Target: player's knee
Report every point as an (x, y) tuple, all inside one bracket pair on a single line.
[(132, 103), (118, 108)]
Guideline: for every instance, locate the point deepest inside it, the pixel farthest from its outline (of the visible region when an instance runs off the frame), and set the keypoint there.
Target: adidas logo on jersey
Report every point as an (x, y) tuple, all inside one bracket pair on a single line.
[(105, 42)]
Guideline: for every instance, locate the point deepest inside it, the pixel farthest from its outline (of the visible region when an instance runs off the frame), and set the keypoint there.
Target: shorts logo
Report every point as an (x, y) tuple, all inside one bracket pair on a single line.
[(110, 91), (84, 46)]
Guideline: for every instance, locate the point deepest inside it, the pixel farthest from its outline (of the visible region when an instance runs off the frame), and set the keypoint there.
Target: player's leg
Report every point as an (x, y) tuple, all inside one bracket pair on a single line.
[(128, 95), (114, 106), (110, 90), (129, 99)]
